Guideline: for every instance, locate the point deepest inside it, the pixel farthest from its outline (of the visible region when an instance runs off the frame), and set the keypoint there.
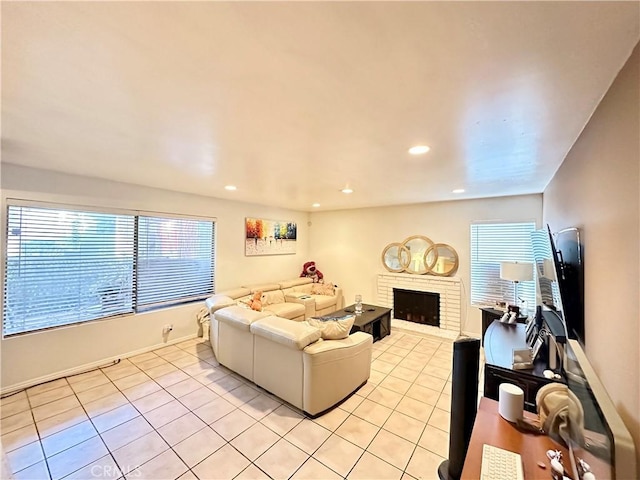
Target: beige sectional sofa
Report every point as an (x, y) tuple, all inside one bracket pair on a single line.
[(304, 287), (292, 299), (288, 358)]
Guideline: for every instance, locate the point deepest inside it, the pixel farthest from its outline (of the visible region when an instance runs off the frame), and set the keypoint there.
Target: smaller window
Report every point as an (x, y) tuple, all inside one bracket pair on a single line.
[(491, 244), (175, 261)]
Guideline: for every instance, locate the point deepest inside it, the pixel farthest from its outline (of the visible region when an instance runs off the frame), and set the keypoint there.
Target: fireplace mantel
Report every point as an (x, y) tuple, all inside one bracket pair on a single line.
[(449, 289)]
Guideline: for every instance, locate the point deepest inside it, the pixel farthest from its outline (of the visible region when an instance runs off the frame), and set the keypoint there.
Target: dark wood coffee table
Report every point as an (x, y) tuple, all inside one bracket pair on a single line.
[(373, 320)]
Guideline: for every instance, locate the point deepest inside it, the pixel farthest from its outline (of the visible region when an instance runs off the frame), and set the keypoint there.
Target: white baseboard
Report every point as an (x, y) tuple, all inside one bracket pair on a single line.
[(89, 366)]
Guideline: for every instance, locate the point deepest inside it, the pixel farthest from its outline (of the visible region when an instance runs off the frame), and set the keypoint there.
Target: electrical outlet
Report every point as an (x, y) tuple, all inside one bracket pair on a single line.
[(167, 328)]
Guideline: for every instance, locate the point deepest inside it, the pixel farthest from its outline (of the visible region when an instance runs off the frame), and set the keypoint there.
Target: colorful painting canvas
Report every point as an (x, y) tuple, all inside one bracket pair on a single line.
[(269, 237)]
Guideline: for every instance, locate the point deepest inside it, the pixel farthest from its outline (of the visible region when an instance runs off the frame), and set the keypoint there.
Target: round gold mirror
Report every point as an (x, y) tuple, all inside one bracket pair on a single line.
[(417, 246), (395, 257), (441, 259)]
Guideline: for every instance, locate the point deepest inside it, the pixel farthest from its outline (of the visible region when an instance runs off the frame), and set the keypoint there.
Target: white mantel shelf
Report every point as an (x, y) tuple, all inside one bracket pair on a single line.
[(449, 289), (413, 276)]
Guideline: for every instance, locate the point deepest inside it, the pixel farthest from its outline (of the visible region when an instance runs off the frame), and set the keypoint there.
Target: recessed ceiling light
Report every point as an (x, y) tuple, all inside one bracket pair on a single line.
[(458, 190), (419, 150), (230, 187), (315, 205), (347, 190)]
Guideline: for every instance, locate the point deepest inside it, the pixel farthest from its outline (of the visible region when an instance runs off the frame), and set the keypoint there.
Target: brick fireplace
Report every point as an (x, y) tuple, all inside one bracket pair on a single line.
[(447, 288), (418, 307)]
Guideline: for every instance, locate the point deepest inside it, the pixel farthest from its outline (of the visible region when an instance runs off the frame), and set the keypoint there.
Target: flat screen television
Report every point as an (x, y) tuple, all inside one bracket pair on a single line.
[(601, 439), (569, 255), (559, 275)]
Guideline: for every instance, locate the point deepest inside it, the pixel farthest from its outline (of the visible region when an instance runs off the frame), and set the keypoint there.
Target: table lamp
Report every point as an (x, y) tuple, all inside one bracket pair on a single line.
[(516, 272)]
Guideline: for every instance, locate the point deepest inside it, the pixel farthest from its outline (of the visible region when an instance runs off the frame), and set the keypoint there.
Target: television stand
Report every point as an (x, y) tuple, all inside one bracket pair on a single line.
[(499, 342), (490, 314)]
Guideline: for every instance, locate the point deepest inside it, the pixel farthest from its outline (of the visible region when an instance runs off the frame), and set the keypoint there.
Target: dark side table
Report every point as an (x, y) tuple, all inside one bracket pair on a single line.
[(373, 320)]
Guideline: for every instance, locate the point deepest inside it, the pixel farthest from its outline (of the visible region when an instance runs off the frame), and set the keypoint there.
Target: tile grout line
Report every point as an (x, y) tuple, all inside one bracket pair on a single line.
[(189, 411), (98, 434), (155, 430), (175, 397)]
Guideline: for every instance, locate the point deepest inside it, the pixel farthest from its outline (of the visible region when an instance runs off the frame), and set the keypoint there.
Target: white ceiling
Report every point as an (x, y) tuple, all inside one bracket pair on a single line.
[(293, 101)]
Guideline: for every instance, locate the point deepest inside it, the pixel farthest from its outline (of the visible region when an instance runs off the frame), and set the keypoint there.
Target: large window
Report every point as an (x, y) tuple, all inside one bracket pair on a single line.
[(66, 266), (491, 244)]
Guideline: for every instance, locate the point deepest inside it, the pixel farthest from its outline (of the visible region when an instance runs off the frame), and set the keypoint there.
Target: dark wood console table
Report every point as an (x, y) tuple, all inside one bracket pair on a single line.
[(490, 428), (500, 341), (491, 314)]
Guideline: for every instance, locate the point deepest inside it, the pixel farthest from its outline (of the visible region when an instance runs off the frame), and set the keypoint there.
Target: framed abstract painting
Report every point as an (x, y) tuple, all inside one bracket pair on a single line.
[(269, 237)]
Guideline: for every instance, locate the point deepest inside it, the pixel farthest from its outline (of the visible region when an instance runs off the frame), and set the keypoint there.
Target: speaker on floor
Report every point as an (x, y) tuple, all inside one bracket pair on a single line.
[(464, 405)]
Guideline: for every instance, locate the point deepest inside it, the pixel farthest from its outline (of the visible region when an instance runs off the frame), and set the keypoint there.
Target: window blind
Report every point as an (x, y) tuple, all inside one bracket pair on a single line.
[(65, 266), (495, 243), (175, 260)]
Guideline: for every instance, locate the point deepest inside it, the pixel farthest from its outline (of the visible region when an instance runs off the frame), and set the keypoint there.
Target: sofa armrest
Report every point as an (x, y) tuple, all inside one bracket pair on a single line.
[(332, 350), (333, 369), (303, 299), (216, 302), (339, 298)]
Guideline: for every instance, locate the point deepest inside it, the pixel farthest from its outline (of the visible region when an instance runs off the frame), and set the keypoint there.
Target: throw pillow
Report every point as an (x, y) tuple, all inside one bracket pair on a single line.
[(323, 289), (333, 328)]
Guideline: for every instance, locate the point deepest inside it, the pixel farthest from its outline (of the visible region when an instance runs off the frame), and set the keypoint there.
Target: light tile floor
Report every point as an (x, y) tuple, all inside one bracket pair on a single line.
[(176, 413)]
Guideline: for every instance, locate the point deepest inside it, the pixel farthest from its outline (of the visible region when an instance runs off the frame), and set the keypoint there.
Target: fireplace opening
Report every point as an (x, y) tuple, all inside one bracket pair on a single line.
[(418, 307)]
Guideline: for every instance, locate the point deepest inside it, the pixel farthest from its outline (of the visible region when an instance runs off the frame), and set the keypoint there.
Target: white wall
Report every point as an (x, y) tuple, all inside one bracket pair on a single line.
[(348, 244), (32, 356), (597, 189)]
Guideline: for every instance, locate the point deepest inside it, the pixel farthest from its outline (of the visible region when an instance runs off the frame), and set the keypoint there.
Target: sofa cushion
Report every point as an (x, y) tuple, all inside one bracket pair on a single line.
[(323, 289), (236, 292), (267, 287), (255, 301), (239, 317), (333, 328), (274, 296), (295, 282), (295, 335), (322, 301), (305, 288), (288, 310)]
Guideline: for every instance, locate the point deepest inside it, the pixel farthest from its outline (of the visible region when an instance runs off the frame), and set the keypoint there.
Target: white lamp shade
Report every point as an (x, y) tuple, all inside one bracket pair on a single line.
[(516, 271)]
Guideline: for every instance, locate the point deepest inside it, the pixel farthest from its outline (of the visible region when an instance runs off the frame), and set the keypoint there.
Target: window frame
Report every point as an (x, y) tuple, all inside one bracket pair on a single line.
[(506, 287), (145, 307), (134, 214)]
